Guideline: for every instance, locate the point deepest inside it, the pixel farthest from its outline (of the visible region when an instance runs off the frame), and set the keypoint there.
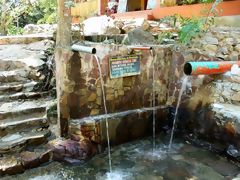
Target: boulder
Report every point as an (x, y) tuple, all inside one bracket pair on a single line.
[(112, 30), (210, 49), (237, 48), (135, 23), (40, 29), (140, 37), (71, 151), (230, 41), (97, 25), (210, 40)]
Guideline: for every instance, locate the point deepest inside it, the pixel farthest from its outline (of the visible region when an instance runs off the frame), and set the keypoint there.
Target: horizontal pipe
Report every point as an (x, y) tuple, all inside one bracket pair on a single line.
[(85, 49), (208, 67), (140, 47)]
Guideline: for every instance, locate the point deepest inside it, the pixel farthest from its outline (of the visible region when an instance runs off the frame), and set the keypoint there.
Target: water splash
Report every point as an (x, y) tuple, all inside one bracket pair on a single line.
[(183, 88), (105, 109)]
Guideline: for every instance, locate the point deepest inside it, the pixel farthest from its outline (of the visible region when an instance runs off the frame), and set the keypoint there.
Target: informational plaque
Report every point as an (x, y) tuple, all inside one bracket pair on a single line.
[(123, 66)]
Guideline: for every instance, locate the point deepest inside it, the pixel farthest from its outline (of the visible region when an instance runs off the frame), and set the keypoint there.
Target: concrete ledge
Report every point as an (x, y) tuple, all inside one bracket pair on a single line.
[(232, 21), (123, 126), (23, 39)]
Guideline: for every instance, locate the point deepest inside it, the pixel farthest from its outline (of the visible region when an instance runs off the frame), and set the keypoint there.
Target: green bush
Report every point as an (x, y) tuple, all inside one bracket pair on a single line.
[(14, 16)]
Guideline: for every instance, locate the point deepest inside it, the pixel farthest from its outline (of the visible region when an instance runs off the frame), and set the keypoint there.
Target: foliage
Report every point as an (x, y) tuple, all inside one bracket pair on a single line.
[(13, 30), (180, 2), (49, 11), (164, 35), (206, 1), (22, 12), (191, 27)]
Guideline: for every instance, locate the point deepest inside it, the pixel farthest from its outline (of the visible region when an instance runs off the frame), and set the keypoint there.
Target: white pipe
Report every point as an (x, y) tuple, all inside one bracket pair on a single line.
[(140, 47), (85, 49)]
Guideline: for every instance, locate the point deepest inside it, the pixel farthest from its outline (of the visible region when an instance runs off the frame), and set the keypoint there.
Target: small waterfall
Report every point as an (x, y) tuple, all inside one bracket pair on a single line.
[(183, 88), (105, 109)]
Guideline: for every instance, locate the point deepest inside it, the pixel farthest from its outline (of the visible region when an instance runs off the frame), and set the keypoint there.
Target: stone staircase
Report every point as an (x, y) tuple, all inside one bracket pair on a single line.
[(23, 120)]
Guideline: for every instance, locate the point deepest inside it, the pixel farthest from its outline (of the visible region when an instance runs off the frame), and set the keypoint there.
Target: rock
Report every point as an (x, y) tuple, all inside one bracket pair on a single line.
[(127, 29), (71, 151), (237, 48), (92, 97), (236, 97), (236, 87), (233, 151), (210, 49), (45, 156), (10, 165), (29, 159), (39, 29), (140, 37), (112, 30), (110, 97), (210, 40), (119, 24), (224, 50), (97, 25), (136, 23), (230, 41), (94, 112), (233, 56)]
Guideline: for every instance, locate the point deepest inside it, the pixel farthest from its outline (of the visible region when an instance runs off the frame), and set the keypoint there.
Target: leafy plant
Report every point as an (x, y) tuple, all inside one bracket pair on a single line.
[(14, 15), (190, 29), (13, 30), (206, 1)]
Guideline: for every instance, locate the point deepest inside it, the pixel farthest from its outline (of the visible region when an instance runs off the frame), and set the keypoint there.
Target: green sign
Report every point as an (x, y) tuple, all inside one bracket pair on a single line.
[(122, 66)]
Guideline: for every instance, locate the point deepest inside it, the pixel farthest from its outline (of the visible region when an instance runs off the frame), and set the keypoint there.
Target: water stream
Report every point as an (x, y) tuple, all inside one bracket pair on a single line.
[(105, 109), (154, 102), (183, 88), (135, 161)]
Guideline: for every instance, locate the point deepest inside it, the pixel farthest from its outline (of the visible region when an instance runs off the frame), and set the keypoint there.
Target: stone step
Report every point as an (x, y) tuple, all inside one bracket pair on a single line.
[(26, 109), (20, 75), (23, 95), (8, 65), (17, 141), (24, 39), (10, 88), (13, 126)]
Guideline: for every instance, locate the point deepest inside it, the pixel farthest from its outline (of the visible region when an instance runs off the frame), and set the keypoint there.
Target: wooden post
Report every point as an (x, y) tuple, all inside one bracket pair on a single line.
[(62, 56)]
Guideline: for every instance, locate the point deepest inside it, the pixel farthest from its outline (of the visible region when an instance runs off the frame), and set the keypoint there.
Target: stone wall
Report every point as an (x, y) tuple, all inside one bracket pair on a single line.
[(210, 105), (82, 101), (84, 94)]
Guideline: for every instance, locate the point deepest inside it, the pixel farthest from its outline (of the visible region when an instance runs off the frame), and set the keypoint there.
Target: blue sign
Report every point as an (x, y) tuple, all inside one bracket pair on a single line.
[(123, 66)]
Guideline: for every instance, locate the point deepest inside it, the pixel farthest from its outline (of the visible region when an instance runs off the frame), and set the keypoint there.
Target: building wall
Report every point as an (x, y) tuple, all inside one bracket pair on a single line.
[(84, 10)]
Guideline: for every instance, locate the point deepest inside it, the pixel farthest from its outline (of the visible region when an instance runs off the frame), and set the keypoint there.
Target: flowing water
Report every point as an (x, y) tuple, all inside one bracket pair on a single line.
[(183, 88), (154, 102), (135, 161), (105, 109)]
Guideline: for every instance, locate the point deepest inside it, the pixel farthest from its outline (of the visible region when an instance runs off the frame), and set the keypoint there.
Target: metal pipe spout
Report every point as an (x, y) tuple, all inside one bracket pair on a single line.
[(85, 49), (208, 67)]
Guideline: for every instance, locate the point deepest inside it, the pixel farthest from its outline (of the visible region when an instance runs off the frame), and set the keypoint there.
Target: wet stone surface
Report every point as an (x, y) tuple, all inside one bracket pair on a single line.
[(137, 160)]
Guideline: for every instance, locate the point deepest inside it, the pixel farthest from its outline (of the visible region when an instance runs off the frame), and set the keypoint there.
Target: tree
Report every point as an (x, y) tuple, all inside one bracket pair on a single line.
[(63, 54)]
